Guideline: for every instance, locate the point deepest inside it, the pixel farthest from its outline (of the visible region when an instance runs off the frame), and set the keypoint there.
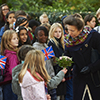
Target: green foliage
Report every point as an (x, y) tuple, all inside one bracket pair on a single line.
[(55, 9)]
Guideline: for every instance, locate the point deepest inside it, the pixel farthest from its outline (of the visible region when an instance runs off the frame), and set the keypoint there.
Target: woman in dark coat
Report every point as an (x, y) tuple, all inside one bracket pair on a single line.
[(86, 75)]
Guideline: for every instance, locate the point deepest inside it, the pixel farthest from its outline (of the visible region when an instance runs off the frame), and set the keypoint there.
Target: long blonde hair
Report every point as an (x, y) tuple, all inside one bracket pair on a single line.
[(51, 34), (6, 41), (34, 61)]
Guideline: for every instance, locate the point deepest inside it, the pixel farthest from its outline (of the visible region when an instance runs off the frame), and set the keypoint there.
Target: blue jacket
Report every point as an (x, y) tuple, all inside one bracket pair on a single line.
[(1, 33)]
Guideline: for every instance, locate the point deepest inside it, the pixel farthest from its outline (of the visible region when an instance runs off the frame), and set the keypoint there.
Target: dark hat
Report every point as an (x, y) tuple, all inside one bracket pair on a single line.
[(20, 20)]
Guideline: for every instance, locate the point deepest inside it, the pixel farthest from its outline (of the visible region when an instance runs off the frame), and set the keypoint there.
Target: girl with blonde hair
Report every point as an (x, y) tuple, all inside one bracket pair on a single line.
[(53, 32), (56, 37), (9, 48), (34, 75)]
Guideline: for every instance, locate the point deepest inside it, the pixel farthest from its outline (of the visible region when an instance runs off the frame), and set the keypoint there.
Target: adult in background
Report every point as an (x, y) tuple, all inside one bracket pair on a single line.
[(86, 81), (4, 9), (90, 21)]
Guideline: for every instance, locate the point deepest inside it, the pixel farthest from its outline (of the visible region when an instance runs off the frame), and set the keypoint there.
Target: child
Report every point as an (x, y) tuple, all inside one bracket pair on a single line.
[(40, 39), (47, 25), (56, 37), (10, 18), (44, 18), (21, 55), (21, 21), (9, 45), (20, 13), (15, 85), (33, 24), (23, 36), (34, 76)]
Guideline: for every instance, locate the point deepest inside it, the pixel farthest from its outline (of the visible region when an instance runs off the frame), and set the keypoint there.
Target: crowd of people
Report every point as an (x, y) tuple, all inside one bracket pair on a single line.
[(28, 76)]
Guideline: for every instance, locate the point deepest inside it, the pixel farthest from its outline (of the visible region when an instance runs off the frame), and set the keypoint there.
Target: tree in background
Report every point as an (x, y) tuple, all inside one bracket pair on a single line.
[(55, 9)]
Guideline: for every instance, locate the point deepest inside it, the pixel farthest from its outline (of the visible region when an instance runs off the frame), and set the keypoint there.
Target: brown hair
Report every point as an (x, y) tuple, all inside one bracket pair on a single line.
[(88, 18), (20, 13), (1, 14), (6, 41), (75, 20), (23, 50)]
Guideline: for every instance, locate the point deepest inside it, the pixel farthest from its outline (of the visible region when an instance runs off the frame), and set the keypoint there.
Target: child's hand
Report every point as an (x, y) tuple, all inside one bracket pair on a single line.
[(63, 80), (48, 97), (64, 70)]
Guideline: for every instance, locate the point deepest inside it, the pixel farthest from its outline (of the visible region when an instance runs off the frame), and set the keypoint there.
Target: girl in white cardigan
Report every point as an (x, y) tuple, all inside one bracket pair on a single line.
[(34, 77)]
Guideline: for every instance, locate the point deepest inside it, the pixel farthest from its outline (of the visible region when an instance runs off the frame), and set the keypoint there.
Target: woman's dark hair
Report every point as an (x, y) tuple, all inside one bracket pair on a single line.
[(1, 14), (18, 31), (88, 18), (36, 32), (23, 50), (10, 12), (7, 23), (74, 20), (20, 20)]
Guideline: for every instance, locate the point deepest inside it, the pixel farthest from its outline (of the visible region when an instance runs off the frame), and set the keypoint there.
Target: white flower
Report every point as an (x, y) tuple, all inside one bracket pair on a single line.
[(66, 57)]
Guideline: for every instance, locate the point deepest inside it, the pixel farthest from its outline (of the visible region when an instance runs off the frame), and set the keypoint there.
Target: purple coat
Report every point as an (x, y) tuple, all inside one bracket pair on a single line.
[(11, 62)]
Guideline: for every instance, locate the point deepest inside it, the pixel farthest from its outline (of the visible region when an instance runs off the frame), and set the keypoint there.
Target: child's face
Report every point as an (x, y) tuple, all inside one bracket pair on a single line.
[(57, 33), (14, 40), (41, 37), (11, 18), (23, 36), (44, 20)]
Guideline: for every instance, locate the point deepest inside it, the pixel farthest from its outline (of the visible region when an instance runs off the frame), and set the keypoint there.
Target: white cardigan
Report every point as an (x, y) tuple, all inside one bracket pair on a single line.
[(32, 89)]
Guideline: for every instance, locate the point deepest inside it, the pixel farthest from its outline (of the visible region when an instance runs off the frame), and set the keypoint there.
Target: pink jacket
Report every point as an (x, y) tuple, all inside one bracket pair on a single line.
[(32, 89), (11, 62)]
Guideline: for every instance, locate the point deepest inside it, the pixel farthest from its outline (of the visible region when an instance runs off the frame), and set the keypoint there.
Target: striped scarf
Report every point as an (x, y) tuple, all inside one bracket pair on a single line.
[(69, 41)]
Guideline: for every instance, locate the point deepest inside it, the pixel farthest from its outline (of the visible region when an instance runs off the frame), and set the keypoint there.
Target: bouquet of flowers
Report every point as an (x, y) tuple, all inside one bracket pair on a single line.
[(64, 61)]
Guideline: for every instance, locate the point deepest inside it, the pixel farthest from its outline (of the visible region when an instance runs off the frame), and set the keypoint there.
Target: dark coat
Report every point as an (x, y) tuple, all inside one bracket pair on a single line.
[(61, 88), (82, 57), (2, 23)]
